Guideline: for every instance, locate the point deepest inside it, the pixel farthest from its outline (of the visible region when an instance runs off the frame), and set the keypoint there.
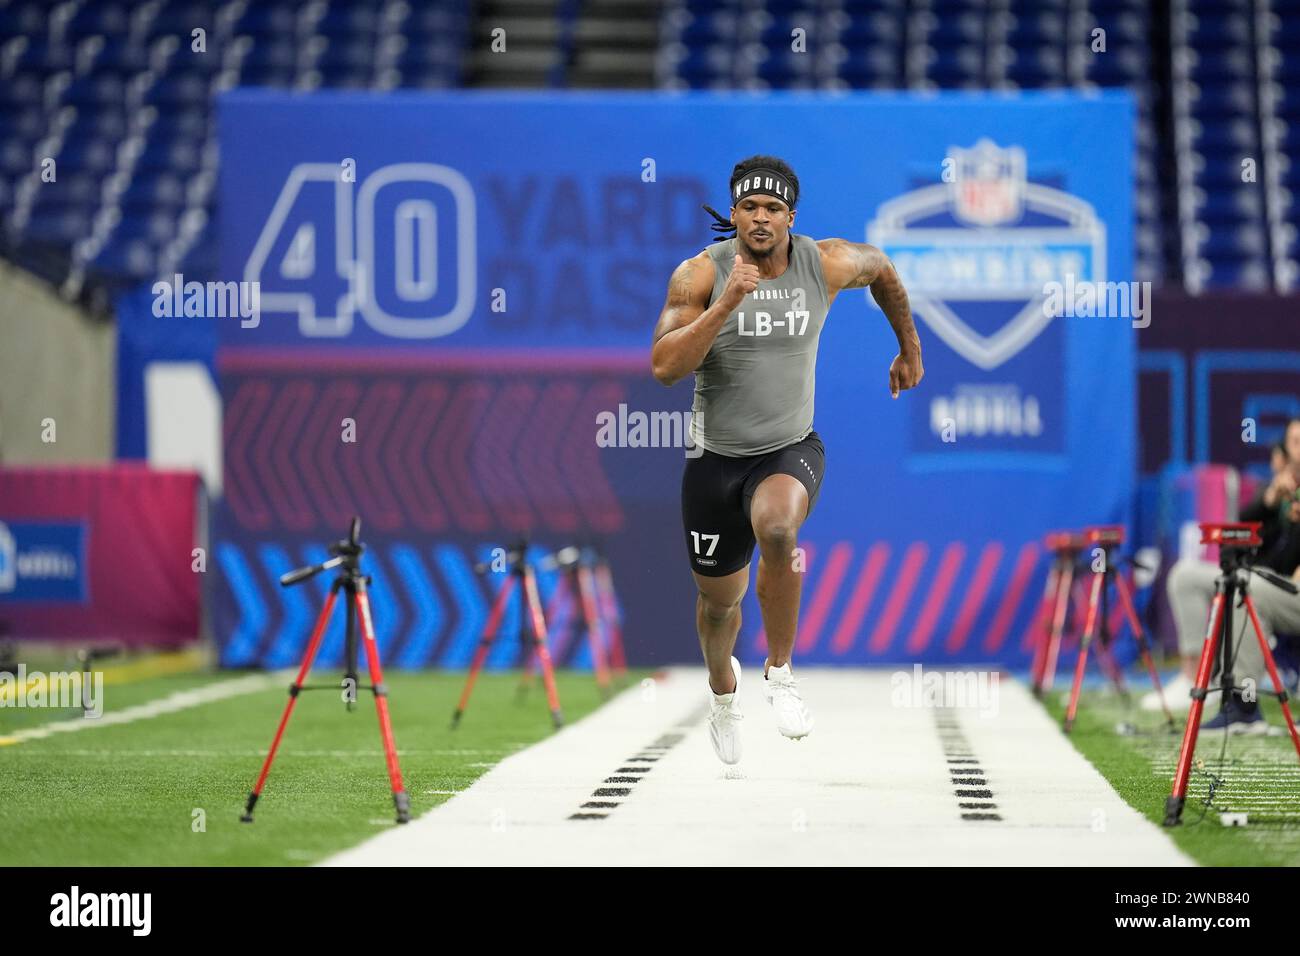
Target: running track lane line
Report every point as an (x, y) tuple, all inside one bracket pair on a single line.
[(873, 784)]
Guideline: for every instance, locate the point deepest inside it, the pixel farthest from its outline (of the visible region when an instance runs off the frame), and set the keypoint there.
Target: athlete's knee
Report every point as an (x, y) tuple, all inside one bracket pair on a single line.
[(719, 609), (776, 536)]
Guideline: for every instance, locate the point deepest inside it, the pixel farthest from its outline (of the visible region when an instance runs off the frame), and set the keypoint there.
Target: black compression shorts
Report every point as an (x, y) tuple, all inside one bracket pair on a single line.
[(716, 492)]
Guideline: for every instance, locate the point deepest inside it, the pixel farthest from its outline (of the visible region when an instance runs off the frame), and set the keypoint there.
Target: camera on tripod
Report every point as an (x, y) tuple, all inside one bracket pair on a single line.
[(1238, 543), (1238, 536)]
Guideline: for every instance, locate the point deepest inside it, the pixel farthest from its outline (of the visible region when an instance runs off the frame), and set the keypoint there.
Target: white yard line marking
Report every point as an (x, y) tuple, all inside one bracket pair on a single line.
[(180, 700), (871, 785)]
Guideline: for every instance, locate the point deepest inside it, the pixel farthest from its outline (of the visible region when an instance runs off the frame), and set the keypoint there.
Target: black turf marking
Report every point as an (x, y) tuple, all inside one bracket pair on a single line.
[(647, 755), (965, 770)]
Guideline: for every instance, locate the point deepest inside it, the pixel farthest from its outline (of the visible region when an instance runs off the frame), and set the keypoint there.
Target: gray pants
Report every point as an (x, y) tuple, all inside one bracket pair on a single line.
[(1191, 589)]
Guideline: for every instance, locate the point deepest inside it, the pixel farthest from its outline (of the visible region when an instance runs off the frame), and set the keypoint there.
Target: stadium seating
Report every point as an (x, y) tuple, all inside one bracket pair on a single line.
[(119, 96)]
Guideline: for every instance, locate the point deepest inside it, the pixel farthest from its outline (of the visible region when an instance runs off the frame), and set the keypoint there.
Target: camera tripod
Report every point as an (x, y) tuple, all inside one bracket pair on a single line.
[(1065, 547), (610, 614), (582, 584), (1107, 538), (1237, 543), (532, 628), (347, 558)]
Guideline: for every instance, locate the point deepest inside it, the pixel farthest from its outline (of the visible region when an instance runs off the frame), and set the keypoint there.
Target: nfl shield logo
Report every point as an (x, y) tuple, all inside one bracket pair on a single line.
[(989, 183), (974, 267)]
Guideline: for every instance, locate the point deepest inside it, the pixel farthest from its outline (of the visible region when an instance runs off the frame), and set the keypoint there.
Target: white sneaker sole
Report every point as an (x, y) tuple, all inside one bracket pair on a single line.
[(799, 736)]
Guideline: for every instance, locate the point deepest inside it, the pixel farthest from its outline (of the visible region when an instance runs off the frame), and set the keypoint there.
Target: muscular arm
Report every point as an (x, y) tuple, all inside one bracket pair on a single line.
[(853, 265), (688, 324)]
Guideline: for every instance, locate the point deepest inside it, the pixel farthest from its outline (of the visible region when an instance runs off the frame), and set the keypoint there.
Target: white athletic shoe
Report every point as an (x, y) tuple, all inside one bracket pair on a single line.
[(1176, 696), (792, 717), (724, 720)]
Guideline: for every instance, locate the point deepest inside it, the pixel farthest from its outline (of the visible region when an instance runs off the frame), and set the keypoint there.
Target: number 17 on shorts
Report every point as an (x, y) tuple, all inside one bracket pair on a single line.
[(705, 545)]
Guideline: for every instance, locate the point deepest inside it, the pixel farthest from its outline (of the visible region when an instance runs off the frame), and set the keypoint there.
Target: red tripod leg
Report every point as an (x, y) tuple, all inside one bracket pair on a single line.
[(1106, 659), (591, 621), (313, 645), (400, 798), (1271, 664), (1139, 635), (1064, 592), (1046, 611), (1174, 804), (609, 614), (1089, 630), (530, 659), (533, 604), (484, 645)]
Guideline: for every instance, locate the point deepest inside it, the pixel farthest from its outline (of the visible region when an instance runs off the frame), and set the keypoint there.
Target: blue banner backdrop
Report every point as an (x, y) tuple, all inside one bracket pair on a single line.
[(472, 279)]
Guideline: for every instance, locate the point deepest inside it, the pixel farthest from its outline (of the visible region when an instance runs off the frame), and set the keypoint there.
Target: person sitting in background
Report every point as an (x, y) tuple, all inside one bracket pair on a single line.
[(1190, 587), (1277, 459)]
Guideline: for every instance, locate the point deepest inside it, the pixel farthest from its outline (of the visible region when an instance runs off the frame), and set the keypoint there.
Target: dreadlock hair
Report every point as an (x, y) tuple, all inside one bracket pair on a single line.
[(724, 227)]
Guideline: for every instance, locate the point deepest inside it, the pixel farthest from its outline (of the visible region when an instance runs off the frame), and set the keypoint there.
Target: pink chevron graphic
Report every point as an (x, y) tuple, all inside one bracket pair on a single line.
[(243, 412), (411, 478), (828, 587), (913, 562), (326, 452), (494, 464), (581, 466), (294, 506), (540, 451), (1020, 575), (937, 598), (860, 598), (451, 470), (318, 427), (475, 453), (985, 571), (378, 416)]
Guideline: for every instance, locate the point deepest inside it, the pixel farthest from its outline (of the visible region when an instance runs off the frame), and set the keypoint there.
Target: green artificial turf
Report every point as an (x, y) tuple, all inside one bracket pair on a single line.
[(131, 794), (1259, 776)]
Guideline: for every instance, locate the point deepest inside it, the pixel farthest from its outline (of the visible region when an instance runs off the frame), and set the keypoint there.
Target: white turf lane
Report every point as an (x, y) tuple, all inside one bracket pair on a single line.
[(870, 785)]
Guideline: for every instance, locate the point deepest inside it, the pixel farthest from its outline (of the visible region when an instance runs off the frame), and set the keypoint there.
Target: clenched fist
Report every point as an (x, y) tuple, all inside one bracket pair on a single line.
[(742, 281), (905, 371)]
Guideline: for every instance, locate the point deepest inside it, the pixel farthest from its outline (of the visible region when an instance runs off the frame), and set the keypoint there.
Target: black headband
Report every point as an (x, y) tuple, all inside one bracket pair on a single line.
[(767, 182)]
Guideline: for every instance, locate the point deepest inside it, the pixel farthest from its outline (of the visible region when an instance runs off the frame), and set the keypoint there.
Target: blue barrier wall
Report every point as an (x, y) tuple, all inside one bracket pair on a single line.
[(472, 278)]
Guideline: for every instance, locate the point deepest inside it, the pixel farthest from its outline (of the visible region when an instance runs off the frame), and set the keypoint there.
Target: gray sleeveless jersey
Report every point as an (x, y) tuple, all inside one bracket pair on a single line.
[(754, 389)]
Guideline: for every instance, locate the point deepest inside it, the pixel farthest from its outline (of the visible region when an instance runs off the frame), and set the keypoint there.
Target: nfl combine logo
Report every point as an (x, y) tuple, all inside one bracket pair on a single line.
[(977, 252), (989, 184)]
